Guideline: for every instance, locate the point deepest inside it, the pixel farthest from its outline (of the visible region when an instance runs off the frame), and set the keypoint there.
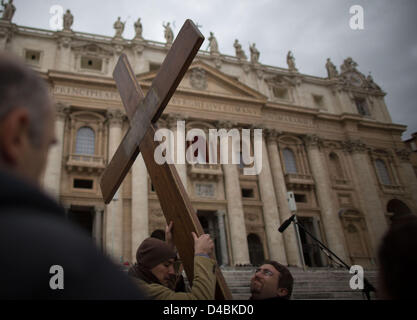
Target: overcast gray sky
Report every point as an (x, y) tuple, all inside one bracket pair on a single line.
[(313, 29)]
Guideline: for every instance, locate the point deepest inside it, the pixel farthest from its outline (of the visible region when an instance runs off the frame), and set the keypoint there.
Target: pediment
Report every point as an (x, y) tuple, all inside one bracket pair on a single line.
[(205, 79)]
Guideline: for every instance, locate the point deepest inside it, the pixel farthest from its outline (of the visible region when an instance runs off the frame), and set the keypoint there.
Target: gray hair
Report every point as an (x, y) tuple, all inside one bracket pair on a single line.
[(21, 87)]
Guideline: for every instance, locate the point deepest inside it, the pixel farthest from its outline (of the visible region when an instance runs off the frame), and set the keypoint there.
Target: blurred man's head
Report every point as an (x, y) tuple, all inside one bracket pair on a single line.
[(157, 257), (397, 278), (26, 119), (271, 280)]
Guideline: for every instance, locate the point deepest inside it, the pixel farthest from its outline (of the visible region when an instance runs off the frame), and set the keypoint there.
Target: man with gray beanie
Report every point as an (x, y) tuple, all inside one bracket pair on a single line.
[(154, 270)]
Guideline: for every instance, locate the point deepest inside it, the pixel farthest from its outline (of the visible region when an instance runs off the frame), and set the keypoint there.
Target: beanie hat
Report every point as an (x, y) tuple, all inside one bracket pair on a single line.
[(152, 252)]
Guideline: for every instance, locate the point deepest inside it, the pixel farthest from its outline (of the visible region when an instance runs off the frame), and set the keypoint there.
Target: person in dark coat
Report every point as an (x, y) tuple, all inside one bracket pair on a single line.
[(271, 281), (43, 256), (397, 257)]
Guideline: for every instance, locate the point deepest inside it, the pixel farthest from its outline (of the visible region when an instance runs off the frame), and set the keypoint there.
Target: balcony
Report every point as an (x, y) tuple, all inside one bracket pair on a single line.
[(85, 163), (392, 189), (339, 183), (205, 171), (299, 181)]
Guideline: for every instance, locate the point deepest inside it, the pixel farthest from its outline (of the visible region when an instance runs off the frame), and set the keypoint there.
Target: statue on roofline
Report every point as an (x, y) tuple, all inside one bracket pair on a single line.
[(331, 69), (168, 34), (138, 29), (254, 54), (68, 20), (119, 26), (239, 51), (291, 61), (8, 10)]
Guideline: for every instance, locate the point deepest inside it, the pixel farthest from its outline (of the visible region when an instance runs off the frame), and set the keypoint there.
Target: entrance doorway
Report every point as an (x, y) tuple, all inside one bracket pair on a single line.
[(256, 250), (208, 221), (311, 250), (83, 217)]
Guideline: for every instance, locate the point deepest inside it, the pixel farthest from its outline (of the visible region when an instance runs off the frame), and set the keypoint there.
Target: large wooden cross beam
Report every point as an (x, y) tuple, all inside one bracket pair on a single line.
[(143, 112)]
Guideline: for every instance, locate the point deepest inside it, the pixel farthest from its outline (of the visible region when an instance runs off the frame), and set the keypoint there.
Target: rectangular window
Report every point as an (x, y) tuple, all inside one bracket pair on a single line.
[(247, 193), (318, 101), (91, 63), (32, 57), (83, 184), (362, 107), (154, 66), (280, 93), (300, 198)]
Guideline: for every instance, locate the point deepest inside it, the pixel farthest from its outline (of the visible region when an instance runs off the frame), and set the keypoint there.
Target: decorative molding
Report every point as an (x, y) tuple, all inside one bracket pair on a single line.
[(198, 79), (403, 154), (62, 111), (115, 117), (313, 141), (354, 146)]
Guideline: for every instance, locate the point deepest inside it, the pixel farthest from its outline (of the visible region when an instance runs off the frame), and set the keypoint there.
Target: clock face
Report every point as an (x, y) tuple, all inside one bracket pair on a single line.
[(354, 79)]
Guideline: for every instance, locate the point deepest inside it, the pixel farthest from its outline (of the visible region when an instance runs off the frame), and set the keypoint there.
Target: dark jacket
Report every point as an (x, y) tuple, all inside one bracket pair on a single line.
[(34, 236)]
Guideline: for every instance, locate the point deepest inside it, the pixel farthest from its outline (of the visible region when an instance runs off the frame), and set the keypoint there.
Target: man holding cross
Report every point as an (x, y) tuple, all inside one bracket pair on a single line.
[(154, 271), (143, 113)]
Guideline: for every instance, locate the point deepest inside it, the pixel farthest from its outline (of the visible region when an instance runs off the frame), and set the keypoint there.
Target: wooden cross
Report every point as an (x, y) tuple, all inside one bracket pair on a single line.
[(143, 112)]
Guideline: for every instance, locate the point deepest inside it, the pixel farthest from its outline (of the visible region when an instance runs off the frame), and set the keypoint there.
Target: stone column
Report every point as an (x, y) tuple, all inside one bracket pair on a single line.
[(52, 176), (407, 174), (179, 137), (114, 212), (236, 217), (270, 211), (290, 238), (328, 205), (316, 229), (98, 227), (222, 237), (368, 186), (140, 214)]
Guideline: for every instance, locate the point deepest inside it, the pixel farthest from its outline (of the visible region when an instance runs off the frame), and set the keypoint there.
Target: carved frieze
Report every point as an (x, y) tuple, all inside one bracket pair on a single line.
[(198, 79)]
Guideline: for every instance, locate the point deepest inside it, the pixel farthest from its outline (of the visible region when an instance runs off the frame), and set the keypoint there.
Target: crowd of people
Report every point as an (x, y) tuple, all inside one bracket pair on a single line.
[(34, 234)]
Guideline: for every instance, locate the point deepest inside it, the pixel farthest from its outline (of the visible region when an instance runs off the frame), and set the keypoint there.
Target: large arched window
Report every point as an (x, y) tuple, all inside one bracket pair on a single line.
[(382, 170), (289, 161), (85, 142)]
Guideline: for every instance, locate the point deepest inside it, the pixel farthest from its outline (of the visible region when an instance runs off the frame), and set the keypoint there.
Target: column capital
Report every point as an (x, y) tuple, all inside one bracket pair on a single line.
[(172, 119), (354, 146), (271, 135), (313, 141), (220, 213), (225, 124), (115, 117), (62, 110), (403, 154)]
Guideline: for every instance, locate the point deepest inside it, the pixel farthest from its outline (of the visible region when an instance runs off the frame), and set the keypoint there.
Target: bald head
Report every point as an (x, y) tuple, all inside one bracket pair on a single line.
[(26, 119)]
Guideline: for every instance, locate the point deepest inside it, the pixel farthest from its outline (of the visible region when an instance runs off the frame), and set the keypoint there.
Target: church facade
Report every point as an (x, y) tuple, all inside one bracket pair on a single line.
[(328, 141)]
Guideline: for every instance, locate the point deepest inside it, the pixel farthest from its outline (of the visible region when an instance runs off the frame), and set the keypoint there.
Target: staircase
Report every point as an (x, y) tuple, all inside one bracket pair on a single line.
[(312, 284)]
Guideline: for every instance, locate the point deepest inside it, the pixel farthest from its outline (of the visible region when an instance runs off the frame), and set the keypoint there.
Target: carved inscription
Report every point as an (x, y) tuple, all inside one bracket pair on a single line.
[(86, 92), (214, 106)]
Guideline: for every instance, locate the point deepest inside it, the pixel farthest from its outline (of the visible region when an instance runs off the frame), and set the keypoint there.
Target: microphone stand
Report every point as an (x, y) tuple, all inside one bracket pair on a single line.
[(367, 288)]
